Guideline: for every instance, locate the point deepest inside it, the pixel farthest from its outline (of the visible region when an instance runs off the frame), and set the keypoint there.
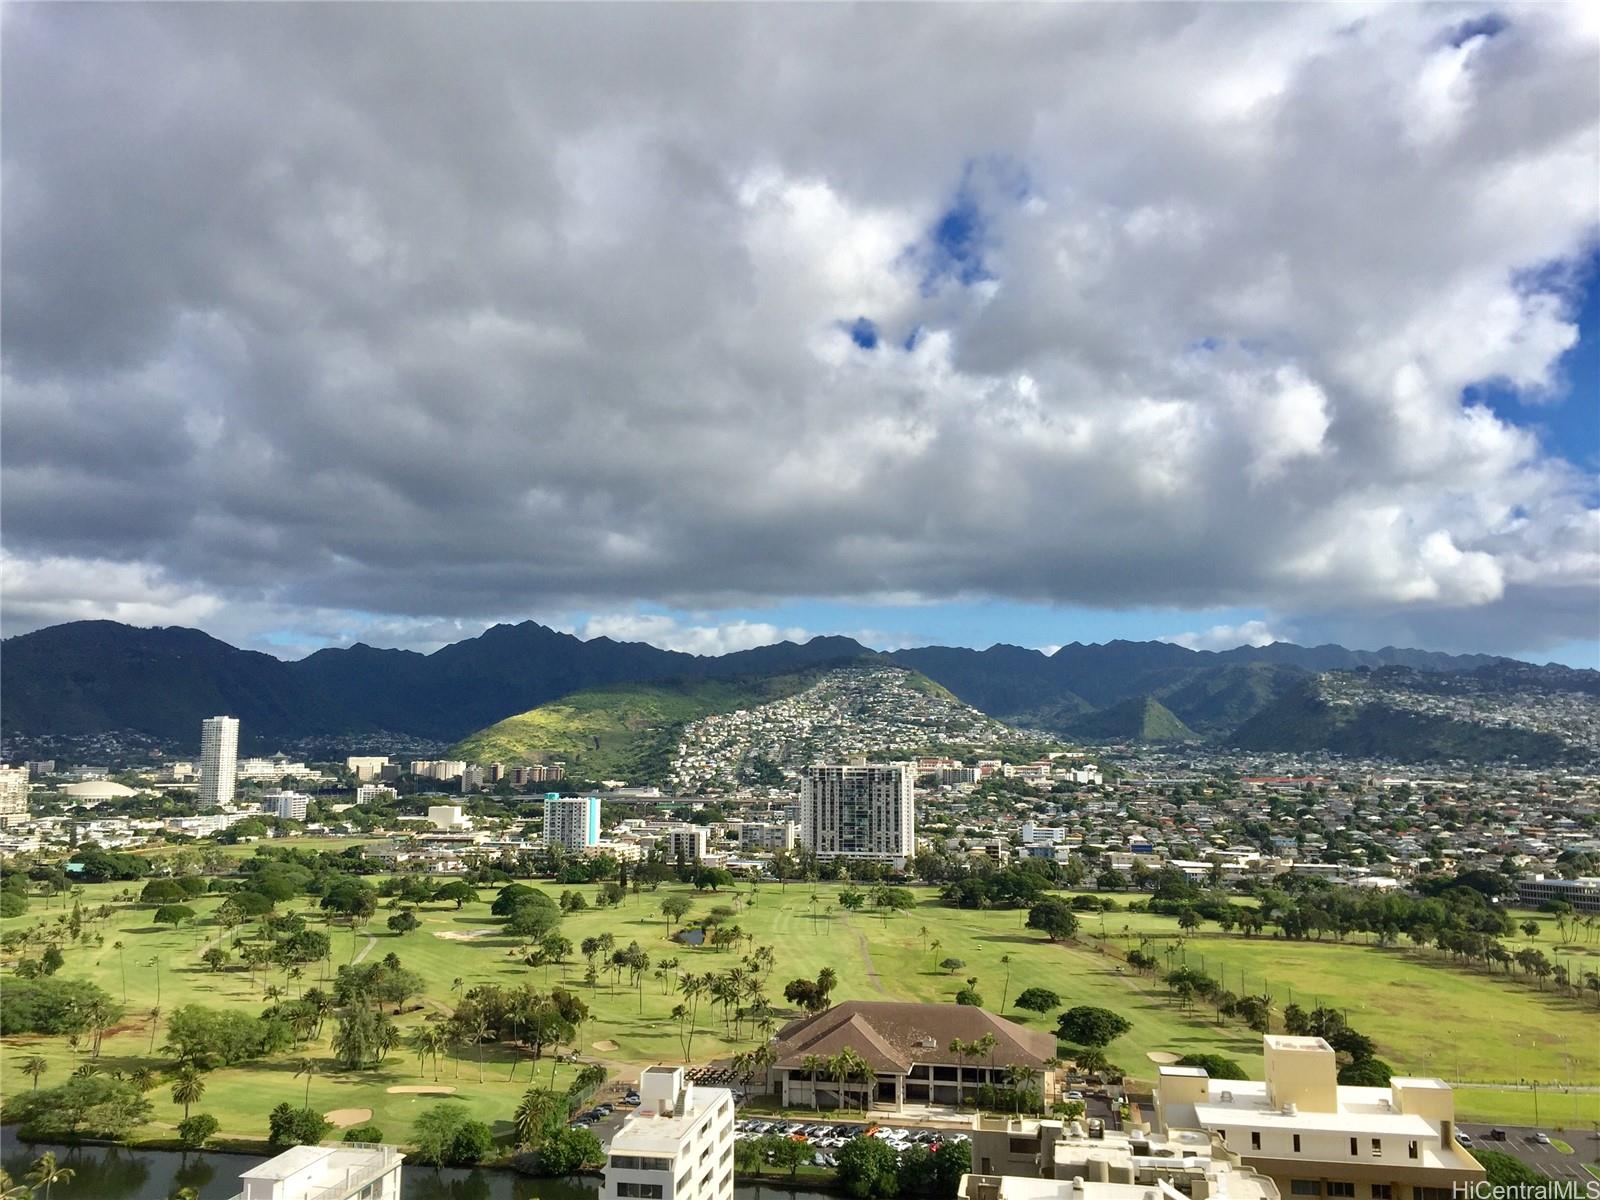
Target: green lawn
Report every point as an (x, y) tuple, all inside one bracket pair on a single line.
[(1425, 1016)]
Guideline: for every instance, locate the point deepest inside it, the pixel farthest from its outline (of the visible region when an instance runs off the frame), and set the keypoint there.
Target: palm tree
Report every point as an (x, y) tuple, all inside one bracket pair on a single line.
[(123, 966), (308, 1068), (986, 1045), (11, 1190), (534, 1111), (33, 1066), (1020, 1078), (155, 1023), (934, 946), (188, 1086), (814, 1063), (847, 1065), (960, 1050), (479, 1028), (142, 1078), (47, 1174), (99, 1016), (1005, 961)]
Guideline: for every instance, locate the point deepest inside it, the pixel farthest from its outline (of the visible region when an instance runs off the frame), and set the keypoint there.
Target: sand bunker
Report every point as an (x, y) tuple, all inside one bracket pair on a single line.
[(605, 1047), (1164, 1057), (465, 935), (421, 1089), (343, 1118)]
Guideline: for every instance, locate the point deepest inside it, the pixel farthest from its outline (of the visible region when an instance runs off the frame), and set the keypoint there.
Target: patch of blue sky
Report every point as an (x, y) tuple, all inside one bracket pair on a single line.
[(957, 243), (1568, 425), (863, 332)]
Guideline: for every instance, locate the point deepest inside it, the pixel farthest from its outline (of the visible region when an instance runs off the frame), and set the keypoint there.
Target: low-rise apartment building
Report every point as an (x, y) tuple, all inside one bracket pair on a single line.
[(677, 1145), (1316, 1138), (1008, 1153), (349, 1171)]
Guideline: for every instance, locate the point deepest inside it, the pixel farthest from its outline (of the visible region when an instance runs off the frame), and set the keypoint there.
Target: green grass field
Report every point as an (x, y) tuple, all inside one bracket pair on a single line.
[(1427, 1018)]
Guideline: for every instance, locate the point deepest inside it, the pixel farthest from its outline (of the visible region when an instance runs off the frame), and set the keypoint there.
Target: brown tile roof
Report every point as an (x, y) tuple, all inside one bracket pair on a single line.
[(892, 1036)]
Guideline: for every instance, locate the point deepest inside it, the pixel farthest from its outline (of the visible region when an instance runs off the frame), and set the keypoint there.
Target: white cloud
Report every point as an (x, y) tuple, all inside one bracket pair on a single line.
[(670, 633), (1226, 637), (542, 311)]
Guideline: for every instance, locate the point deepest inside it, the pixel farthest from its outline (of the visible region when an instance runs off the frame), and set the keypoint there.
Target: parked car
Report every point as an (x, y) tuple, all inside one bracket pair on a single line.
[(1464, 1139), (1074, 1095), (1498, 1135), (631, 1098), (1542, 1139)]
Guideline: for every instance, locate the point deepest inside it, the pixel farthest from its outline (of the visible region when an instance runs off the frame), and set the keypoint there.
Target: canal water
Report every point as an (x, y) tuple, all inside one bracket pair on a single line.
[(115, 1173)]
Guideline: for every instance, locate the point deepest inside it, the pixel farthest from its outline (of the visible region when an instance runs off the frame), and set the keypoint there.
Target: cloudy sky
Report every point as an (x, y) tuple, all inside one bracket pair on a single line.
[(710, 325)]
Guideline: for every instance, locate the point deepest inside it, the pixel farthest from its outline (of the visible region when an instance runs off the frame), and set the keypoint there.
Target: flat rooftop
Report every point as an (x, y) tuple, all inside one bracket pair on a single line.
[(647, 1132), (306, 1170)]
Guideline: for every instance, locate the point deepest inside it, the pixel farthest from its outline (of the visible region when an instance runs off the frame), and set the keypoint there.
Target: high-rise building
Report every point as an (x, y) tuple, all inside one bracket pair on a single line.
[(13, 795), (219, 760), (573, 822), (677, 1145), (863, 811)]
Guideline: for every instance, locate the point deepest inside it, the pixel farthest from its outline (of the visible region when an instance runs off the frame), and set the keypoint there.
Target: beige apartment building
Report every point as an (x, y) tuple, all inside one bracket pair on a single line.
[(1315, 1138), (677, 1145), (1013, 1156)]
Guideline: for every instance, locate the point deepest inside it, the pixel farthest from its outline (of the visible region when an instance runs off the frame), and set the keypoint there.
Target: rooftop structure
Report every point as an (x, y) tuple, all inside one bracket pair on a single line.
[(677, 1145), (1315, 1137), (349, 1171)]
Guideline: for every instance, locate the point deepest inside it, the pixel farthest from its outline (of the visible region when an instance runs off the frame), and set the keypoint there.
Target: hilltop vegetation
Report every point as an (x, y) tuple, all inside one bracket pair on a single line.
[(1400, 714), (626, 731), (1140, 719)]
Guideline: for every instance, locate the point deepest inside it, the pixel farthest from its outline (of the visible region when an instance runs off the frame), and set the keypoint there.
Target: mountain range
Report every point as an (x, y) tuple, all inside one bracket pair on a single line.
[(90, 677)]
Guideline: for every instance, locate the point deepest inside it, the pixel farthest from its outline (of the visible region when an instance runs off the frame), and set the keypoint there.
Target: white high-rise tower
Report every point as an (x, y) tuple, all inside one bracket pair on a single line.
[(862, 810), (219, 760)]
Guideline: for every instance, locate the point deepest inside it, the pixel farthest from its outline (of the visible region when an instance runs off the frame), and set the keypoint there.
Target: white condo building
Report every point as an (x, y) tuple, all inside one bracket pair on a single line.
[(286, 806), (859, 811), (572, 822), (677, 1145), (219, 760), (351, 1171), (13, 795)]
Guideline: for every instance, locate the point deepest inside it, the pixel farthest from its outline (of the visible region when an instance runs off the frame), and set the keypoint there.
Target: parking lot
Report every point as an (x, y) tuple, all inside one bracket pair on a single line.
[(827, 1136), (1520, 1143)]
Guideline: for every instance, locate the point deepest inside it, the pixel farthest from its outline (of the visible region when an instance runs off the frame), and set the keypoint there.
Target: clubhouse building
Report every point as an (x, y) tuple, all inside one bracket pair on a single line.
[(907, 1050)]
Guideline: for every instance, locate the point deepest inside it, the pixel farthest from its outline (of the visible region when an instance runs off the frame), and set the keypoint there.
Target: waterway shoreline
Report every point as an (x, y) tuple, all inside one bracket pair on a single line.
[(113, 1170)]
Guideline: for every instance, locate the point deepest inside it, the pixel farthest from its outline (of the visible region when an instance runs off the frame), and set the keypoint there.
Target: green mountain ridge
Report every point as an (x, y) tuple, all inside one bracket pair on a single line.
[(1305, 721), (1137, 719)]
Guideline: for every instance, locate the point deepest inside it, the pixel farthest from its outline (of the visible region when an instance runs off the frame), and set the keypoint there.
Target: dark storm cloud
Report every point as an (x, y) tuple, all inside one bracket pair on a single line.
[(452, 312)]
